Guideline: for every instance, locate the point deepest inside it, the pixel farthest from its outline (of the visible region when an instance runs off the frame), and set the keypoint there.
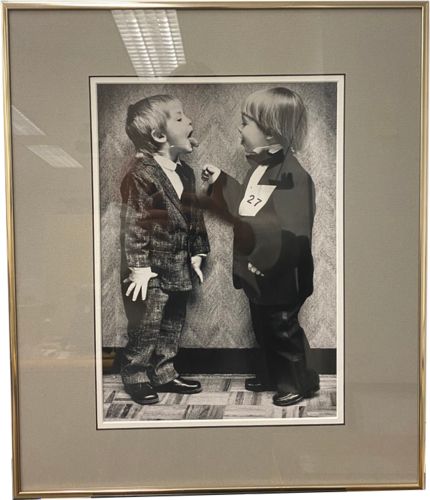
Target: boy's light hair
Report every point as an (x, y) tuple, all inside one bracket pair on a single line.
[(143, 117), (279, 112)]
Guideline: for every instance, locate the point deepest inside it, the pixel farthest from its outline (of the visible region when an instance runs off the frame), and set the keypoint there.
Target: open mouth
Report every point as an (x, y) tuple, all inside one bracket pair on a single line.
[(194, 142)]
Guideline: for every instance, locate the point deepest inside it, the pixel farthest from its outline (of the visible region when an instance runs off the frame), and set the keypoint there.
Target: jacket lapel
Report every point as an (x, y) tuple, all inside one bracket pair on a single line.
[(280, 174), (160, 178)]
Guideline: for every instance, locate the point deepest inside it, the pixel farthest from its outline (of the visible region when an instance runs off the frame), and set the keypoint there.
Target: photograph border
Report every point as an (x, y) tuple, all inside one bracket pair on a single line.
[(339, 181)]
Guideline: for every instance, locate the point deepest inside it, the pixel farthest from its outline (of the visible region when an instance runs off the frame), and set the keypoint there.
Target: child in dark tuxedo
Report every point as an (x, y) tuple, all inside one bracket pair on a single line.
[(163, 242), (272, 214)]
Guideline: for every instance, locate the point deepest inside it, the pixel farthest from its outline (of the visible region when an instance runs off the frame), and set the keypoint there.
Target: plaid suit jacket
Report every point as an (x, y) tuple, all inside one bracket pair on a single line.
[(157, 229)]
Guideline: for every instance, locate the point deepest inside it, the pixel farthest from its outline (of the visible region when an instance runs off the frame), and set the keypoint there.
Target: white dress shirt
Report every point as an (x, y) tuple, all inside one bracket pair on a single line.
[(257, 195), (272, 149), (169, 168)]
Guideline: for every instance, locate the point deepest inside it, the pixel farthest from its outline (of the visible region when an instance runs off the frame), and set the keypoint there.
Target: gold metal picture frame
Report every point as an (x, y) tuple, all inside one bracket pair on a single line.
[(53, 54)]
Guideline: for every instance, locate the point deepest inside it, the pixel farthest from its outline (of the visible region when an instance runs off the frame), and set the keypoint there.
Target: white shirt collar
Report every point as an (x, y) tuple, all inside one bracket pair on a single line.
[(166, 163), (272, 149)]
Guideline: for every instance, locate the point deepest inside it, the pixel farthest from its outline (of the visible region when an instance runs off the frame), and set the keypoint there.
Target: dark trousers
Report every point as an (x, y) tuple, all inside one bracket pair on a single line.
[(154, 330), (284, 346)]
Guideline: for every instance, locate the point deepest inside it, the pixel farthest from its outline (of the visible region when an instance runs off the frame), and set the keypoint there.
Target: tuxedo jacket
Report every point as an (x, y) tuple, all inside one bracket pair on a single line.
[(277, 239), (159, 230)]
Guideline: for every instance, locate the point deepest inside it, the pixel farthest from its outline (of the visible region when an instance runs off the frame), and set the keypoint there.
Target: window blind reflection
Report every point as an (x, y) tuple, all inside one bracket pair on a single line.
[(152, 39)]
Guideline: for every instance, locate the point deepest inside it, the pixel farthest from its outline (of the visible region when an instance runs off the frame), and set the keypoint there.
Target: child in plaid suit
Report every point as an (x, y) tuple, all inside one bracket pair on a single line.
[(163, 241)]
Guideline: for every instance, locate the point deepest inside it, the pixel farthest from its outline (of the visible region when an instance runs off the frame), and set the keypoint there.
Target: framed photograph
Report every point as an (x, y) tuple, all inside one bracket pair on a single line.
[(210, 326), (216, 221)]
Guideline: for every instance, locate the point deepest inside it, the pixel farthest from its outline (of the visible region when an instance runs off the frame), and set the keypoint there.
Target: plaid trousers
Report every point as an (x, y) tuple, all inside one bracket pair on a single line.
[(154, 330)]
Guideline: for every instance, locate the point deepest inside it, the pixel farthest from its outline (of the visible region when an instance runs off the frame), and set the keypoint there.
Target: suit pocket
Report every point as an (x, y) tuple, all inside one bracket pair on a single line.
[(162, 240), (169, 265)]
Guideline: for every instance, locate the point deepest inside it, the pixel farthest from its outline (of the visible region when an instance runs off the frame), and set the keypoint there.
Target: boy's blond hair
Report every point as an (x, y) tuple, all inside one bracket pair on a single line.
[(279, 112), (143, 118)]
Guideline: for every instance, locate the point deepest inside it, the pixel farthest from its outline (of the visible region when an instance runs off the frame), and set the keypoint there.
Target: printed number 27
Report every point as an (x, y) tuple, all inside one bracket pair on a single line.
[(251, 200)]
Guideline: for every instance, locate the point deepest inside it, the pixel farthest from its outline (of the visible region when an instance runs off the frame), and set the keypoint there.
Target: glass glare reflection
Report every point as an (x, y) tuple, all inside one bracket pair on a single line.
[(152, 39), (21, 125), (55, 156)]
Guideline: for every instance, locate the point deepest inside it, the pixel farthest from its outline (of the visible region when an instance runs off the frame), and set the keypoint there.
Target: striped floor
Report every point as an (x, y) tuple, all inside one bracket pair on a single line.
[(223, 397)]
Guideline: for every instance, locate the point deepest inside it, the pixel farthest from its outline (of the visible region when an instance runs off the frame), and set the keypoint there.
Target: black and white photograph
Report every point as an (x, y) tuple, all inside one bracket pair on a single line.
[(218, 250)]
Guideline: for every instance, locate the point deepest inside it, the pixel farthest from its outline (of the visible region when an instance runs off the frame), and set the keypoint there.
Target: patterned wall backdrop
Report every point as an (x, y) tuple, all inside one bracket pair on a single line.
[(217, 313)]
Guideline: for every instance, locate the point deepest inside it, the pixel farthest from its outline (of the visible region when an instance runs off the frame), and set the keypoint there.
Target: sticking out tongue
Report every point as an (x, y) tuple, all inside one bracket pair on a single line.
[(194, 142)]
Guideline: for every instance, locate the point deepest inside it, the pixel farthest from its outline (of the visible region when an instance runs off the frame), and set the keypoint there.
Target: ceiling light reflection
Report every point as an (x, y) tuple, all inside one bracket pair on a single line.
[(152, 39), (55, 156), (21, 125)]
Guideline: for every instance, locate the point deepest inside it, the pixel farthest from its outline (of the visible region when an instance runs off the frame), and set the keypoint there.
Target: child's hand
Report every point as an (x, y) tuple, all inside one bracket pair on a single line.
[(139, 278), (210, 173), (254, 270), (196, 262)]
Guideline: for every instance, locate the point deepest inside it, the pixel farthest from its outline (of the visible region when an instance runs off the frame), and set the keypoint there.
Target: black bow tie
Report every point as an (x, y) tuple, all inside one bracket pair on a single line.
[(266, 158)]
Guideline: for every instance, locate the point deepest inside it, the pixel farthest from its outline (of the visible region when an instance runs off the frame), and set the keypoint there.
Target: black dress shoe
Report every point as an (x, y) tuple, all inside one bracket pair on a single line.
[(142, 394), (287, 398), (180, 386), (255, 385), (292, 398)]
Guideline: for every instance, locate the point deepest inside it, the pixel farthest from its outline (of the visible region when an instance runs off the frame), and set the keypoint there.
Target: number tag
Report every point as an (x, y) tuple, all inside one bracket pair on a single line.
[(256, 195), (255, 199)]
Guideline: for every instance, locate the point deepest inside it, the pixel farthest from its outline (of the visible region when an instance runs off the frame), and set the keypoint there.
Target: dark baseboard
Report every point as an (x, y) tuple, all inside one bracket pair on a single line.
[(192, 360)]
